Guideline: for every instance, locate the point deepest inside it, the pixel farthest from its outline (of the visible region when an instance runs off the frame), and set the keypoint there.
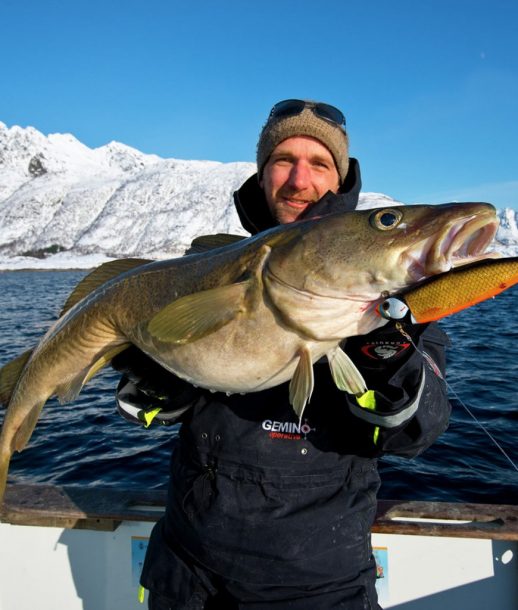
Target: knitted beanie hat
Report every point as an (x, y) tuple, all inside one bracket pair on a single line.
[(307, 123)]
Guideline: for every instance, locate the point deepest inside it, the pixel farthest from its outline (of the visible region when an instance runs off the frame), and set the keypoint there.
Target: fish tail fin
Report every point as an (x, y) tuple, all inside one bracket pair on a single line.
[(9, 375), (8, 444), (4, 467)]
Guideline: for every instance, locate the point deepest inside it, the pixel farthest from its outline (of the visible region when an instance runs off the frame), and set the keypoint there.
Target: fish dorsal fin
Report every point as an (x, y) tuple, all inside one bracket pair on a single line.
[(302, 382), (99, 276), (197, 315), (345, 374), (9, 375), (205, 243)]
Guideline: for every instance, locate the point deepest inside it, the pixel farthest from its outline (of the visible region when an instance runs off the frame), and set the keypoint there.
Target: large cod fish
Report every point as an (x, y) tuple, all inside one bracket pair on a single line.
[(246, 316)]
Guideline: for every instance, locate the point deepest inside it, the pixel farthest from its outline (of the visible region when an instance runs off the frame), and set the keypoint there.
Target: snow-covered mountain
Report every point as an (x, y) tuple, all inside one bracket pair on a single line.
[(59, 196)]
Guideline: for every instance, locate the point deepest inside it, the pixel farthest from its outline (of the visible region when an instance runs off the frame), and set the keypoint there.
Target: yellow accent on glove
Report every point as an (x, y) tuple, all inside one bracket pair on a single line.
[(141, 594), (149, 416), (368, 401)]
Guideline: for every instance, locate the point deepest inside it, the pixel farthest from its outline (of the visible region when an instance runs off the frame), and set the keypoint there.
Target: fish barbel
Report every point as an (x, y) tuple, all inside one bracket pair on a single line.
[(247, 316)]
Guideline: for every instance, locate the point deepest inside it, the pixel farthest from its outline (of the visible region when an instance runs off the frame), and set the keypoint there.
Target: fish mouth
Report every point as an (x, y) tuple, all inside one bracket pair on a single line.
[(460, 242)]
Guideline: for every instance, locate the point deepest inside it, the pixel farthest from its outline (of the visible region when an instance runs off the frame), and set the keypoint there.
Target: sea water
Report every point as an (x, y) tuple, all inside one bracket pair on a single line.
[(88, 443)]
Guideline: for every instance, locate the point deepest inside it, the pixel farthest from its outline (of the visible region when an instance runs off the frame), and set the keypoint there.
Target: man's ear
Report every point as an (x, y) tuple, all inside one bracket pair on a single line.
[(260, 180)]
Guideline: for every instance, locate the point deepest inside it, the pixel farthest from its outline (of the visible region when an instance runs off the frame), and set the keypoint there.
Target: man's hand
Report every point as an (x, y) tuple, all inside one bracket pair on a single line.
[(149, 393), (387, 347)]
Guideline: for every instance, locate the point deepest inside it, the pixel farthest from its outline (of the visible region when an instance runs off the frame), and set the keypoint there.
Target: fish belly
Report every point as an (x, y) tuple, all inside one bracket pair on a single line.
[(246, 355)]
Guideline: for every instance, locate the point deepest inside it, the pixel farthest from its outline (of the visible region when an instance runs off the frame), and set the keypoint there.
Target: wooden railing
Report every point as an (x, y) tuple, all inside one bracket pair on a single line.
[(104, 508)]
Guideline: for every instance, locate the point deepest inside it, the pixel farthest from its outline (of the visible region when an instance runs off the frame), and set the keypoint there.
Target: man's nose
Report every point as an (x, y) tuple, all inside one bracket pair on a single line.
[(299, 176)]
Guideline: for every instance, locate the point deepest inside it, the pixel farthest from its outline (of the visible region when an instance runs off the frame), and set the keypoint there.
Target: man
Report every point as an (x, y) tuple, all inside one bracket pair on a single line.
[(264, 513)]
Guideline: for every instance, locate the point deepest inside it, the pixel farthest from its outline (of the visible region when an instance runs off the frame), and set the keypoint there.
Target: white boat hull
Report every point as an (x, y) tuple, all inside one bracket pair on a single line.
[(51, 567)]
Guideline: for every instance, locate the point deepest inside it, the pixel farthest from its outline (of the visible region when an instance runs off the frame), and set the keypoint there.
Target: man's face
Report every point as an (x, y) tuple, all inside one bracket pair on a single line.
[(298, 173)]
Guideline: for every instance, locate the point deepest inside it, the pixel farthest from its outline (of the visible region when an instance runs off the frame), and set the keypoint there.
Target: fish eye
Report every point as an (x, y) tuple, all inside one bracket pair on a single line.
[(386, 219)]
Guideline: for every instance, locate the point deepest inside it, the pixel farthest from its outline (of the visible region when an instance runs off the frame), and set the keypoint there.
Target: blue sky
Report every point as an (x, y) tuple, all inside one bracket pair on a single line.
[(429, 88)]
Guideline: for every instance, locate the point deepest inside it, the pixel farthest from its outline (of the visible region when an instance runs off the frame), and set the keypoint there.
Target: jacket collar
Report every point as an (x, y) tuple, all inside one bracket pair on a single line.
[(255, 215)]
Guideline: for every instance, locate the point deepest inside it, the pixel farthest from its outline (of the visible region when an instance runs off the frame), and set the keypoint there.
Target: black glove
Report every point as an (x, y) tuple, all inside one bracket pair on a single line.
[(149, 393), (389, 362), (386, 348)]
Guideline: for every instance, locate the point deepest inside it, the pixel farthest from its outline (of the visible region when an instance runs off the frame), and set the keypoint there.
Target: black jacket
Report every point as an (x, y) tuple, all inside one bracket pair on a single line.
[(255, 497)]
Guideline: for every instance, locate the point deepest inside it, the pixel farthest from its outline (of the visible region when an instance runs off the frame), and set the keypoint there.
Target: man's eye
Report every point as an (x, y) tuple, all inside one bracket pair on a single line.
[(320, 164)]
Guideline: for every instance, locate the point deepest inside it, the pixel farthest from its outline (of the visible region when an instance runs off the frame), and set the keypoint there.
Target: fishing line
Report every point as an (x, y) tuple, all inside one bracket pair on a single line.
[(435, 369), (468, 411)]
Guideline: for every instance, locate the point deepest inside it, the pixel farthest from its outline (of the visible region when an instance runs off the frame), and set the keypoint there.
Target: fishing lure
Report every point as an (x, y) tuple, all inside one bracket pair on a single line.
[(452, 291)]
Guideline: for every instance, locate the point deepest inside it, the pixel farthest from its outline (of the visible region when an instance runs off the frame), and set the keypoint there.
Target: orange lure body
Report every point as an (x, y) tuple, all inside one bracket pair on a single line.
[(460, 288)]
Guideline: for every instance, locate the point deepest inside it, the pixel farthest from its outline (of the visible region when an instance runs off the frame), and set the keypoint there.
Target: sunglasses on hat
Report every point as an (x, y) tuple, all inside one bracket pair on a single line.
[(327, 112)]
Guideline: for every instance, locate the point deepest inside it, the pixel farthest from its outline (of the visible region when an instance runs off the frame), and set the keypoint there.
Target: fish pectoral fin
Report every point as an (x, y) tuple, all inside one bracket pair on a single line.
[(101, 275), (68, 391), (345, 374), (302, 382), (9, 375), (197, 315)]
